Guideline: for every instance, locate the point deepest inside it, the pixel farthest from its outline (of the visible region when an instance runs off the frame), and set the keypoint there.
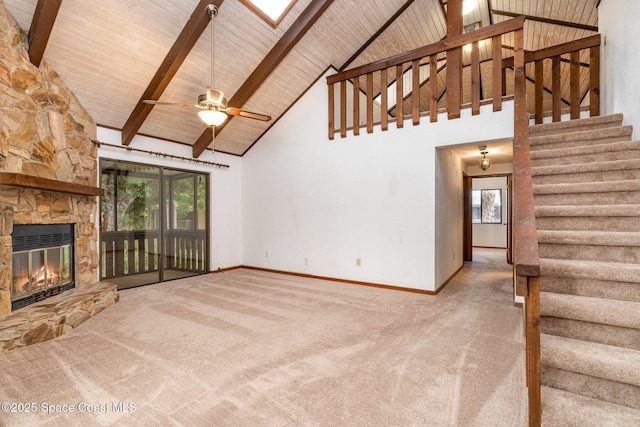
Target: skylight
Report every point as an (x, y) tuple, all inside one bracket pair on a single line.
[(271, 11)]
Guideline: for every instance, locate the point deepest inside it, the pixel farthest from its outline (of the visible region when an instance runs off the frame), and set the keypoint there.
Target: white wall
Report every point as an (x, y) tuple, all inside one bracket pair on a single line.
[(449, 215), (370, 197), (620, 62), (491, 235), (225, 188)]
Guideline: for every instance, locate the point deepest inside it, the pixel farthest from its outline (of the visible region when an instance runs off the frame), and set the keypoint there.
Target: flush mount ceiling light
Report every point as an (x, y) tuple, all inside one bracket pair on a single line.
[(484, 162)]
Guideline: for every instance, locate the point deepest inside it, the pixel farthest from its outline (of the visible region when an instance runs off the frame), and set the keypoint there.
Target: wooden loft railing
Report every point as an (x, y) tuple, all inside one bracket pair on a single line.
[(566, 81), (552, 94), (408, 68)]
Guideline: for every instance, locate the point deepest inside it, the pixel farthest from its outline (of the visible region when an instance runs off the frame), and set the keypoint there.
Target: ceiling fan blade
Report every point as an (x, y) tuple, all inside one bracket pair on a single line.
[(248, 114), (171, 104)]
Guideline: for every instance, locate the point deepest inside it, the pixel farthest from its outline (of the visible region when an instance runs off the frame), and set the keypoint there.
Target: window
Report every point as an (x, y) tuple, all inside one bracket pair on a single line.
[(486, 206), (272, 11)]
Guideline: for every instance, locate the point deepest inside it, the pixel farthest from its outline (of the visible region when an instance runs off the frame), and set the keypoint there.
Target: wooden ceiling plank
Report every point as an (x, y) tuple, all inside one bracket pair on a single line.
[(546, 20), (290, 38), (41, 25), (376, 34), (188, 37)]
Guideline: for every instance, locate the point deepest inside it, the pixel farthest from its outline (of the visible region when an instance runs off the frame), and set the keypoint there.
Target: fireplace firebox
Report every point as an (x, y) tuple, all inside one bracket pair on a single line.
[(42, 262)]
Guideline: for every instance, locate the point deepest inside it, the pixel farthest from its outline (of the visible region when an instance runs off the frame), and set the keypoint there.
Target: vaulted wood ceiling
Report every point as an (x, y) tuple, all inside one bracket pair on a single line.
[(114, 53)]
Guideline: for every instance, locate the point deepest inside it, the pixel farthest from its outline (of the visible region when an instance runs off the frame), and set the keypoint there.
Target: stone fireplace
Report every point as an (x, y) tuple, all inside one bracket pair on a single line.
[(48, 176)]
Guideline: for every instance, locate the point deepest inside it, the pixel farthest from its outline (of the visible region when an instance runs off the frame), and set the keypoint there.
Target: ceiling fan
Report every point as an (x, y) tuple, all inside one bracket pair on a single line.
[(212, 104)]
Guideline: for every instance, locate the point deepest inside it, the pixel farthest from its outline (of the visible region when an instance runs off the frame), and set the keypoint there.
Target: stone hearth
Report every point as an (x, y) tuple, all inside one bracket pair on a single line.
[(48, 175)]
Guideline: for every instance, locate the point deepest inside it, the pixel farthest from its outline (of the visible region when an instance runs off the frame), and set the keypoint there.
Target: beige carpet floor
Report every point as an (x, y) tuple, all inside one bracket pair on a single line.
[(249, 348)]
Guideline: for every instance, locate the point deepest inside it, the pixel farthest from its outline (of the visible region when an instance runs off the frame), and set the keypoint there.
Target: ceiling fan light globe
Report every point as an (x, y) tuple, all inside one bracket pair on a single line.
[(212, 117)]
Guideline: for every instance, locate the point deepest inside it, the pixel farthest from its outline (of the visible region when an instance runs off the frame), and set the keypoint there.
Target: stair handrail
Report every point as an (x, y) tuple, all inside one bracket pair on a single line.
[(526, 260)]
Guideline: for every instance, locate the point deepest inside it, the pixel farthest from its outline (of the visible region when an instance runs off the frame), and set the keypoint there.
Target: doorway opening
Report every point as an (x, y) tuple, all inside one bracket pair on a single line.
[(487, 214), (153, 223)]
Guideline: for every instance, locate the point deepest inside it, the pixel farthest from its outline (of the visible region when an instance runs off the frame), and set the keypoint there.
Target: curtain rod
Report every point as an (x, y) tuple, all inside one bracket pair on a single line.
[(155, 153)]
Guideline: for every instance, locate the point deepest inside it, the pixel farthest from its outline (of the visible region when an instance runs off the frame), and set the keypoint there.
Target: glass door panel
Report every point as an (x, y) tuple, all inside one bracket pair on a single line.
[(130, 224), (153, 223), (185, 225)]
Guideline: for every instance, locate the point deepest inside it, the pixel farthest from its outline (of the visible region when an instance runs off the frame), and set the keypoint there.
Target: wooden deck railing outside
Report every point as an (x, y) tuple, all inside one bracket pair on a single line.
[(126, 253)]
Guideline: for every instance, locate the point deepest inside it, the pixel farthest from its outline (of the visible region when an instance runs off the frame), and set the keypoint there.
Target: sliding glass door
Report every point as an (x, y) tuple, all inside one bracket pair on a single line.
[(153, 223)]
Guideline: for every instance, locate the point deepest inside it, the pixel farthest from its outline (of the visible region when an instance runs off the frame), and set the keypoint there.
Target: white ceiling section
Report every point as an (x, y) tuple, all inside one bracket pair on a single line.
[(107, 51)]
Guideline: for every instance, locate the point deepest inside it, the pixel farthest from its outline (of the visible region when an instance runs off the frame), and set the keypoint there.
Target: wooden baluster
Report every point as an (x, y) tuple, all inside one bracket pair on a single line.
[(356, 106), (496, 43), (433, 84), (343, 108), (454, 82), (399, 97), (370, 103), (594, 81), (574, 84), (539, 90), (141, 250), (415, 91), (475, 78), (555, 89), (332, 112), (384, 100)]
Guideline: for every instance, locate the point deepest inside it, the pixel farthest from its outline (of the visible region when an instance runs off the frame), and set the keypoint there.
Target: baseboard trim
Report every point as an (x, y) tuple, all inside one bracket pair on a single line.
[(347, 281), (222, 270), (446, 282), (350, 282)]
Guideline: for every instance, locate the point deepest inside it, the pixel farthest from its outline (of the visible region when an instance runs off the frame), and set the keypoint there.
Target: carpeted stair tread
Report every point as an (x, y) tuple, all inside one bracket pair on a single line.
[(573, 125), (622, 210), (588, 309), (587, 187), (590, 287), (581, 138), (564, 409), (594, 359), (619, 272), (597, 238), (584, 154), (581, 168), (594, 332)]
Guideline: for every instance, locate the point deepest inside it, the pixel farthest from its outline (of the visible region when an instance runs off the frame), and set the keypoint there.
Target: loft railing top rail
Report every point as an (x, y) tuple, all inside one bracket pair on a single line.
[(549, 52), (433, 49)]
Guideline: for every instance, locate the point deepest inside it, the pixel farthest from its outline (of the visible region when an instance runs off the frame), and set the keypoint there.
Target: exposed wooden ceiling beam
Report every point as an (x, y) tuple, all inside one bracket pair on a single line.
[(288, 41), (41, 26), (546, 20), (190, 34)]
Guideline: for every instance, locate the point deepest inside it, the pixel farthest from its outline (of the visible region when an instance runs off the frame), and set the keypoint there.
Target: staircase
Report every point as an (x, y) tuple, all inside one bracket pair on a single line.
[(586, 179)]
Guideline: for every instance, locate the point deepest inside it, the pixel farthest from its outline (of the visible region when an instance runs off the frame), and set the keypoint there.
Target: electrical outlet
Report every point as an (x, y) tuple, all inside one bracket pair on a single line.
[(306, 261), (358, 262)]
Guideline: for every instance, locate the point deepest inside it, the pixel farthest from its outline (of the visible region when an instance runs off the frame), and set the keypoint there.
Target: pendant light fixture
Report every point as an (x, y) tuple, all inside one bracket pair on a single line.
[(484, 162)]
